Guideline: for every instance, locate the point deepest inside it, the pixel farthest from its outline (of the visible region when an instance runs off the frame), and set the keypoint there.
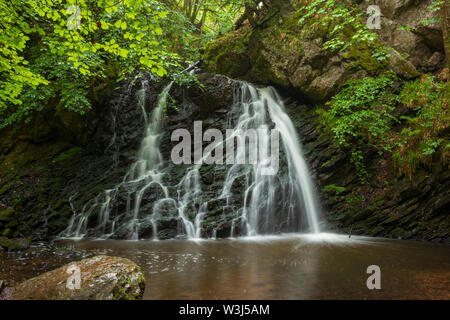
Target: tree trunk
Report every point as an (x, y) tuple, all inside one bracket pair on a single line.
[(247, 15)]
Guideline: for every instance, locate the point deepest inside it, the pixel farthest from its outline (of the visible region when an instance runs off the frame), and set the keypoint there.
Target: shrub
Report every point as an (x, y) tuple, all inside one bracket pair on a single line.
[(427, 132), (365, 111), (360, 114)]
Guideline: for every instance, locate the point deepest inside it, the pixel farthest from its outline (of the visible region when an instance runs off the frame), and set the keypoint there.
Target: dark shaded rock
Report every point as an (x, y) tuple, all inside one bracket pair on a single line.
[(102, 278), (390, 206), (216, 94), (42, 180), (402, 67)]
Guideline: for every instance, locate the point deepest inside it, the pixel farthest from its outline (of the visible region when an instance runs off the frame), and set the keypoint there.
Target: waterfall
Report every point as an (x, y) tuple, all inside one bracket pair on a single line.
[(263, 204), (143, 175), (260, 108), (299, 172)]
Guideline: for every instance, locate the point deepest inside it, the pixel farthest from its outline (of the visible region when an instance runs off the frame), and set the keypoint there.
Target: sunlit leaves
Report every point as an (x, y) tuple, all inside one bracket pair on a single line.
[(126, 31)]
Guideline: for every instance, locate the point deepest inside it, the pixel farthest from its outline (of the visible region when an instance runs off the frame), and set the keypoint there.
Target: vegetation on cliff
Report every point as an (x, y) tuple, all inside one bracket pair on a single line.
[(377, 118), (409, 124), (380, 101), (372, 95)]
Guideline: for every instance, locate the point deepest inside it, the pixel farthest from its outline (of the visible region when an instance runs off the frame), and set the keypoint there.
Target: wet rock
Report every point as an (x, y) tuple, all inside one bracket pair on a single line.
[(100, 278), (216, 94)]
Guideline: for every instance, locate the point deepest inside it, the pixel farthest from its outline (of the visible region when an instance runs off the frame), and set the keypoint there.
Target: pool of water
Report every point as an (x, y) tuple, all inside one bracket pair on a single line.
[(324, 266)]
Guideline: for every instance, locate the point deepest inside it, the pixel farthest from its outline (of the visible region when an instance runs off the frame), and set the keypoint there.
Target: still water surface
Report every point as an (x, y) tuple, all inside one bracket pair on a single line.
[(325, 266)]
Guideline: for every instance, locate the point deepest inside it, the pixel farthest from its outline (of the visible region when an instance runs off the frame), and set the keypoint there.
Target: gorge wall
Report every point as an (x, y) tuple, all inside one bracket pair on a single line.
[(283, 53), (54, 165)]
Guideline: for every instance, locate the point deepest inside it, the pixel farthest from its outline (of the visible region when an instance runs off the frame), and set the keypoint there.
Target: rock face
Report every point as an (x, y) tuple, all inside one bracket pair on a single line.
[(42, 201), (282, 53), (389, 206), (101, 278), (58, 163), (44, 181), (407, 26), (46, 170)]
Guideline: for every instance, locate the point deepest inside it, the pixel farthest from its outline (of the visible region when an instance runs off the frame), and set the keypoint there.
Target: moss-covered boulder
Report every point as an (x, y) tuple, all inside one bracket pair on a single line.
[(284, 53), (100, 278), (287, 53), (14, 244), (7, 222)]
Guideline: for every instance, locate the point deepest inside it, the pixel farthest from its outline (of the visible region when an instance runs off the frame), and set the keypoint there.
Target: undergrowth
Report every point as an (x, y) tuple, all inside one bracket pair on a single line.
[(411, 124)]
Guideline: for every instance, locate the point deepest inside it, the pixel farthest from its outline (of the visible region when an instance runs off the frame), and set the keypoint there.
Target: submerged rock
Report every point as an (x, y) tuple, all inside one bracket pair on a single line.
[(97, 278)]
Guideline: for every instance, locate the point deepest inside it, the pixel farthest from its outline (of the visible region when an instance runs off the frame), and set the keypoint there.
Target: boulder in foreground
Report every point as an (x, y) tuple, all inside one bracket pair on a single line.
[(96, 278)]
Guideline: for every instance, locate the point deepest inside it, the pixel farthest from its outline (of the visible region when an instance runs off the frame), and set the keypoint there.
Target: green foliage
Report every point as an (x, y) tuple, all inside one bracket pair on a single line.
[(434, 7), (56, 52), (343, 26), (191, 24), (14, 73), (360, 114), (364, 114), (68, 44), (67, 86), (425, 134)]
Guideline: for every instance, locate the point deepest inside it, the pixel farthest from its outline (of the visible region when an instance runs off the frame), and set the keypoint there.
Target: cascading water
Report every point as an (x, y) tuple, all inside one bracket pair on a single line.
[(143, 175), (260, 204), (261, 108)]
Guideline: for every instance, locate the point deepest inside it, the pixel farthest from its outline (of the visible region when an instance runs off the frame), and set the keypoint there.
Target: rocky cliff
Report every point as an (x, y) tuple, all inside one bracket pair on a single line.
[(282, 52), (287, 54), (52, 167)]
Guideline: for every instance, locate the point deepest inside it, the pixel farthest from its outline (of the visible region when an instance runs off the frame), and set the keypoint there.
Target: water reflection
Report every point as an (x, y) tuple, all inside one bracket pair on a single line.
[(323, 266)]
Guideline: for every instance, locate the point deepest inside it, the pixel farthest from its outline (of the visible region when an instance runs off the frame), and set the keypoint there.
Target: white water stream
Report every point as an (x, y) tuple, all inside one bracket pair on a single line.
[(271, 203)]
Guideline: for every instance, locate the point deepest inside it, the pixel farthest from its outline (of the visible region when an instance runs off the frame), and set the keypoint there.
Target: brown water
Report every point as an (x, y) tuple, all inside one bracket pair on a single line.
[(299, 267)]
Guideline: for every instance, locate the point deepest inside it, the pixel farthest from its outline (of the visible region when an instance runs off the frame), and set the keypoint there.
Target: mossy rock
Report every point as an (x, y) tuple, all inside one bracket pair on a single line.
[(7, 232), (101, 278), (400, 233), (402, 67), (8, 222), (227, 55), (14, 244), (333, 189), (6, 215), (69, 154)]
